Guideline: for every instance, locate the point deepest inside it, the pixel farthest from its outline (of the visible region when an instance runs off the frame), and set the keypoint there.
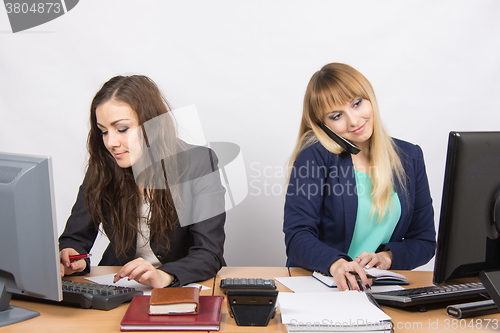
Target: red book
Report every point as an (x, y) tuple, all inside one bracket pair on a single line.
[(137, 318)]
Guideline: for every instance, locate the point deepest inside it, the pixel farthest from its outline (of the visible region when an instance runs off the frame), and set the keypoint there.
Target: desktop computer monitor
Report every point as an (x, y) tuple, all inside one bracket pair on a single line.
[(468, 238), (29, 255)]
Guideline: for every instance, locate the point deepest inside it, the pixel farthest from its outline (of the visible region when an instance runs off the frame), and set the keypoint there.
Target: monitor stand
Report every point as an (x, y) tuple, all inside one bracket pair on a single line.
[(10, 314), (491, 281)]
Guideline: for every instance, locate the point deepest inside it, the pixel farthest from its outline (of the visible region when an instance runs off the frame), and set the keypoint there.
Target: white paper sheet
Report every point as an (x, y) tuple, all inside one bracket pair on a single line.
[(108, 280), (348, 308)]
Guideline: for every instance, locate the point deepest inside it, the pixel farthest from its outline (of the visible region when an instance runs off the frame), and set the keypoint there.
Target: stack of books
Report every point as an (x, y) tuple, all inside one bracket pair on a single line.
[(173, 309)]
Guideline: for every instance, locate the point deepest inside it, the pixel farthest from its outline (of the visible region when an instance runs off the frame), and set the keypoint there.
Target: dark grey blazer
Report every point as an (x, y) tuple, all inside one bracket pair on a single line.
[(197, 245)]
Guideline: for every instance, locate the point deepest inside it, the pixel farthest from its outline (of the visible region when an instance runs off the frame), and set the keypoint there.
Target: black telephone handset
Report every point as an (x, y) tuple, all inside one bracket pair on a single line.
[(349, 147)]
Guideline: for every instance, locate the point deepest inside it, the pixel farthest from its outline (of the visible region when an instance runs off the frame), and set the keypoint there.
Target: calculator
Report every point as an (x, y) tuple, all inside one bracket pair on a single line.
[(247, 283)]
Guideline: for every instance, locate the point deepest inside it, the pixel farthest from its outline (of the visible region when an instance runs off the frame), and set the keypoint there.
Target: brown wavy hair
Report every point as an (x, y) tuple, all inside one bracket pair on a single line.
[(112, 196)]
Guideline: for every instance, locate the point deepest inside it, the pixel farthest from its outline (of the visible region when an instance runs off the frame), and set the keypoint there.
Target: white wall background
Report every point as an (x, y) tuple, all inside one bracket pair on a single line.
[(245, 64)]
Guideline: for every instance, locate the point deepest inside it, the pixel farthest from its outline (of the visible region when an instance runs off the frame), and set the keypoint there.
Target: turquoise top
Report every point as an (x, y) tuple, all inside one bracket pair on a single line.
[(368, 233)]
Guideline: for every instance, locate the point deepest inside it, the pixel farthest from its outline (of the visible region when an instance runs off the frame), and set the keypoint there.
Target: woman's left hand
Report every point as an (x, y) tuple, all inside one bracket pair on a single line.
[(143, 272), (381, 260)]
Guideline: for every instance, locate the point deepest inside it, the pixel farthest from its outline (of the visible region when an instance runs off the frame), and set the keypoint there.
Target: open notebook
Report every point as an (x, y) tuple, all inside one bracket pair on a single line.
[(383, 277)]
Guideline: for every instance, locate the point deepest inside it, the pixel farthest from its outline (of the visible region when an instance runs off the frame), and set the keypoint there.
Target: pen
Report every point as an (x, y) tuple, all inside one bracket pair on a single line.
[(367, 275), (79, 256)]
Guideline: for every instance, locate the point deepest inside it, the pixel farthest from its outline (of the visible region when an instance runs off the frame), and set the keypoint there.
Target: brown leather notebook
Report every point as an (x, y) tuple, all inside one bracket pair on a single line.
[(174, 301)]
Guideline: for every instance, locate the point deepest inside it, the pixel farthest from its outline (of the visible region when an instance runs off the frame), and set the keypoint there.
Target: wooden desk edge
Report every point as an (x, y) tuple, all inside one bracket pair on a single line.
[(56, 317)]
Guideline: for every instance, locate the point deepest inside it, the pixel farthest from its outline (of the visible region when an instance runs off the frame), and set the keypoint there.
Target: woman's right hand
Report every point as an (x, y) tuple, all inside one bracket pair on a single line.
[(70, 267), (340, 271)]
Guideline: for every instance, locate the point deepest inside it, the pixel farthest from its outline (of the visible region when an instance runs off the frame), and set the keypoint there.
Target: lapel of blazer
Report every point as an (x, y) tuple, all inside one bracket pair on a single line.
[(347, 183)]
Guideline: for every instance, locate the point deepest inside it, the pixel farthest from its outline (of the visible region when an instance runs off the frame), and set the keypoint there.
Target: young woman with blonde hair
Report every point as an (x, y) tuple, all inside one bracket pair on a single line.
[(347, 211)]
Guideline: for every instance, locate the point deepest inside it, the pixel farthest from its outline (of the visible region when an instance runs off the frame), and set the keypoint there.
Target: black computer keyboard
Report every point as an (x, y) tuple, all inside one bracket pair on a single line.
[(433, 294), (96, 296)]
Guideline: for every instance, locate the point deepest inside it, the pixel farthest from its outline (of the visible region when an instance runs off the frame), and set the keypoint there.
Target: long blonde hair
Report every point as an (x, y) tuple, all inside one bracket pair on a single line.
[(337, 84)]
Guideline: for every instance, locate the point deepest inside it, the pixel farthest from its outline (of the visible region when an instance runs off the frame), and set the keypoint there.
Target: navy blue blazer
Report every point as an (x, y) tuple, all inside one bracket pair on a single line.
[(321, 207)]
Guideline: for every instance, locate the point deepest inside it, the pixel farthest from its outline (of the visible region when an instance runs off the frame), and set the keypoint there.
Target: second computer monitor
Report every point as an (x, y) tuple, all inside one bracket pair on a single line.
[(469, 227)]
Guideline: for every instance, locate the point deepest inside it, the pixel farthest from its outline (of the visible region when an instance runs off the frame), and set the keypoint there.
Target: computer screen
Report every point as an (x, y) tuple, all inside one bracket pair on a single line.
[(468, 237), (29, 256)]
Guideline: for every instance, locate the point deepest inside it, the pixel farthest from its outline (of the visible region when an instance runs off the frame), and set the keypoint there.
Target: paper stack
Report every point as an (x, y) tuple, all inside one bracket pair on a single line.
[(349, 311)]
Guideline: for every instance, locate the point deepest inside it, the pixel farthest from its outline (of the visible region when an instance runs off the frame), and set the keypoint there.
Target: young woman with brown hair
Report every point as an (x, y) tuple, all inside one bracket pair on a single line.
[(159, 200)]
